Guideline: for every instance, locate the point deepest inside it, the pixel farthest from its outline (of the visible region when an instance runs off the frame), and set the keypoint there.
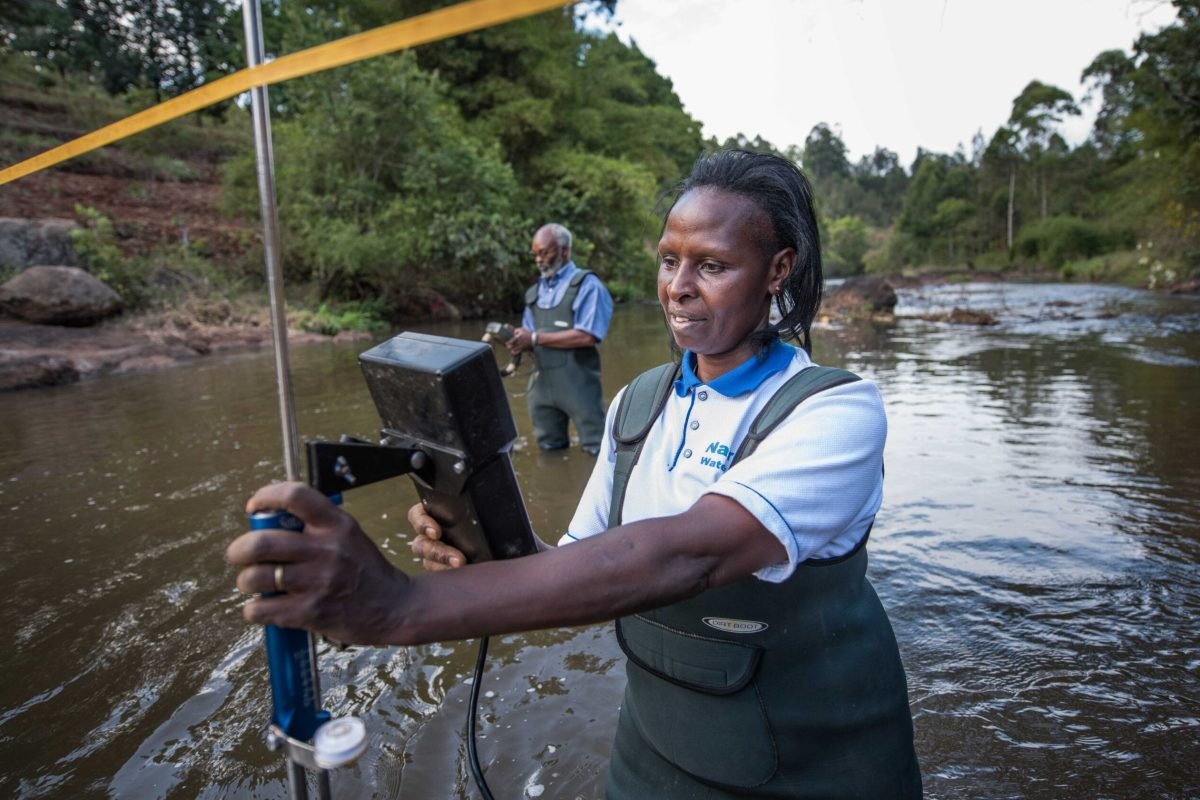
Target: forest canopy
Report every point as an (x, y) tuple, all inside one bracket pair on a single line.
[(431, 168)]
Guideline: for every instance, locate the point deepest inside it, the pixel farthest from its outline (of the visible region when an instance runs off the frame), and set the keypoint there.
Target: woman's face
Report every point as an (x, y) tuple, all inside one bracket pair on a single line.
[(717, 275)]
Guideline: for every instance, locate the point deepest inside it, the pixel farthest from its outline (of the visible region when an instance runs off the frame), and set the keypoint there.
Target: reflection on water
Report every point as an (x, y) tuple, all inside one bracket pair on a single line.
[(1037, 551)]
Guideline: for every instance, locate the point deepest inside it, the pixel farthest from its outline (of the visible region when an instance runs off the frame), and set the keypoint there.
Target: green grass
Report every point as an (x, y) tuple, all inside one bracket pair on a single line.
[(1126, 267), (332, 320)]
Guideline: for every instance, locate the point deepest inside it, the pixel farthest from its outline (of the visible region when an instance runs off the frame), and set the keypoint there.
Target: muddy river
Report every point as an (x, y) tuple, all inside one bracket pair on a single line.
[(1037, 551)]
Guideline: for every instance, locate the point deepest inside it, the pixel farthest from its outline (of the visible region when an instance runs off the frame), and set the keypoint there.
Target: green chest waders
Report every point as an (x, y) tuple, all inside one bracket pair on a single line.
[(760, 690), (565, 383)]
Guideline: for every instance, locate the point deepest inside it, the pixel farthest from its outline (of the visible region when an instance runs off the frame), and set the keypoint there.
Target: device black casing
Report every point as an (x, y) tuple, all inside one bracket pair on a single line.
[(444, 397)]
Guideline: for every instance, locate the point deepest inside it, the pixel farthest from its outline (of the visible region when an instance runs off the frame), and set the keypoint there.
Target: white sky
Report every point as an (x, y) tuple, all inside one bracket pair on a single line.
[(894, 73)]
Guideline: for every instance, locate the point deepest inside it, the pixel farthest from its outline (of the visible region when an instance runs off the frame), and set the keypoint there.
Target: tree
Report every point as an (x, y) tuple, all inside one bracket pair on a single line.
[(621, 107), (1036, 111), (1170, 62), (1148, 133), (166, 46), (382, 187), (1111, 75), (883, 183), (952, 220), (847, 241), (824, 154), (939, 206), (434, 168), (1002, 150)]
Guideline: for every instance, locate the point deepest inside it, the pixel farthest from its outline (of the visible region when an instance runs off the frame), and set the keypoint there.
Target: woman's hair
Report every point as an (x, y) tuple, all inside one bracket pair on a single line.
[(779, 189)]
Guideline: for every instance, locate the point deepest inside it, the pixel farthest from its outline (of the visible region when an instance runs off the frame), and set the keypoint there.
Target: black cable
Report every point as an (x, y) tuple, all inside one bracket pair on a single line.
[(472, 755)]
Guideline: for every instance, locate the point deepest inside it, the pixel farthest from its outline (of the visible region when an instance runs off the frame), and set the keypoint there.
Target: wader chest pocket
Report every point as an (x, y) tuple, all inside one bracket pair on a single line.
[(694, 700)]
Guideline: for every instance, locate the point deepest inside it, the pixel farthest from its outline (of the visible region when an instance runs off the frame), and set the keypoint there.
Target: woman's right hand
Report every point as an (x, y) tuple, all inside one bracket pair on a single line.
[(427, 542)]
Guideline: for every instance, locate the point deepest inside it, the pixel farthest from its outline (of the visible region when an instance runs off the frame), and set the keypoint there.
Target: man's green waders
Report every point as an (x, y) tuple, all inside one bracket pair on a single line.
[(565, 383), (760, 690)]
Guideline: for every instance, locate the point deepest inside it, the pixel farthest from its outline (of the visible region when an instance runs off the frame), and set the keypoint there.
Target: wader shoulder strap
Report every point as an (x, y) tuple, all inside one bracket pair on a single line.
[(641, 404), (799, 388), (532, 292)]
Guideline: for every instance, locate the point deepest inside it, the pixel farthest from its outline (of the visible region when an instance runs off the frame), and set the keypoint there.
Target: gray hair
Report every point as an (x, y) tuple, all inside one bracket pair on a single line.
[(562, 236)]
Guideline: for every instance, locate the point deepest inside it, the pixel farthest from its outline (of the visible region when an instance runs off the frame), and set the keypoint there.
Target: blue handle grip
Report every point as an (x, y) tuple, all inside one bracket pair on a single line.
[(290, 661)]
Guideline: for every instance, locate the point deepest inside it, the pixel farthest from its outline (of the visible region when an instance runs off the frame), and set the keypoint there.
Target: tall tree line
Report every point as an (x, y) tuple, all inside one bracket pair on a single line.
[(1023, 196), (430, 168), (433, 167), (164, 46), (423, 169)]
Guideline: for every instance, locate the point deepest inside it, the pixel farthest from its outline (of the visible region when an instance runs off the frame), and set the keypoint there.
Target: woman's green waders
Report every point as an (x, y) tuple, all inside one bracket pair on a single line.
[(756, 689), (812, 704), (565, 383)]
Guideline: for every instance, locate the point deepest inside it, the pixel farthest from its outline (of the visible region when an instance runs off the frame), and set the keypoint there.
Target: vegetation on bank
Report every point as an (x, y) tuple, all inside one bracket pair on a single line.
[(428, 170)]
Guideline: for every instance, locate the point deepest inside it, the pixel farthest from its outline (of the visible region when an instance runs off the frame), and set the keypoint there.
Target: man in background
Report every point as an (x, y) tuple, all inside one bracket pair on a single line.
[(567, 313)]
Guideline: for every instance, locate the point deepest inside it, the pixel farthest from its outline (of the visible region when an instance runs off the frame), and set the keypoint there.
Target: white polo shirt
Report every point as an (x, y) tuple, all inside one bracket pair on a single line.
[(816, 482)]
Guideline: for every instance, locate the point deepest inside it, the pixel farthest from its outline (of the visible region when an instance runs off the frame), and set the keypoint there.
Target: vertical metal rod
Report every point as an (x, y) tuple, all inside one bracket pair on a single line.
[(297, 781), (265, 159), (261, 115)]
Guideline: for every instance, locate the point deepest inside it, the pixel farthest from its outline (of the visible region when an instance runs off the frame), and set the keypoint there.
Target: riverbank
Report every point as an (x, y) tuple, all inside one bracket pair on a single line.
[(33, 356)]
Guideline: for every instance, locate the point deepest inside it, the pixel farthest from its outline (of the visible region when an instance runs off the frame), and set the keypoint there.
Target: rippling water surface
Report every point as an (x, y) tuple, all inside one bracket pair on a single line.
[(1037, 551)]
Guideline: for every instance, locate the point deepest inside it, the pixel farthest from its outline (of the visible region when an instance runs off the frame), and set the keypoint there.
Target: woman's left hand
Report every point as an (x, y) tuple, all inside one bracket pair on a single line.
[(427, 542)]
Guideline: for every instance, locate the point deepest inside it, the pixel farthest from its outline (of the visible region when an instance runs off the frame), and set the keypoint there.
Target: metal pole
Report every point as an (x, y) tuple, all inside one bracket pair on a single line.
[(265, 158), (261, 115)]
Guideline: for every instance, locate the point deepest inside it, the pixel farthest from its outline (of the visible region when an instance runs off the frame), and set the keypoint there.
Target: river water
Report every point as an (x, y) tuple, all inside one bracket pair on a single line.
[(1037, 551)]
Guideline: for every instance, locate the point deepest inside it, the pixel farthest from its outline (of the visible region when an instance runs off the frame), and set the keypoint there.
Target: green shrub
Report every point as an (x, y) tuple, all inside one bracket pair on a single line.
[(895, 251), (847, 241), (1056, 240), (167, 275), (1128, 267), (332, 321), (169, 168), (96, 243), (993, 261)]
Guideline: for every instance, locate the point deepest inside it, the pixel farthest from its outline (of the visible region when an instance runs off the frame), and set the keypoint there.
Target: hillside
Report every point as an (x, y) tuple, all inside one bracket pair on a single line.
[(160, 188)]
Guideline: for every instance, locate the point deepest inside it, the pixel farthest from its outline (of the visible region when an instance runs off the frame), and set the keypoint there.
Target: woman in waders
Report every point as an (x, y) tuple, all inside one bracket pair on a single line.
[(724, 527)]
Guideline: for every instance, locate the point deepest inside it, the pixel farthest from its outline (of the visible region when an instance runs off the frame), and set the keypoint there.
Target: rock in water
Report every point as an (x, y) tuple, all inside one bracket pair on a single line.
[(859, 296), (58, 296)]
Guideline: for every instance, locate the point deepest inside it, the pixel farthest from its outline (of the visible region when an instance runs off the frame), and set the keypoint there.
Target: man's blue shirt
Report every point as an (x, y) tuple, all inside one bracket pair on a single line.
[(593, 306)]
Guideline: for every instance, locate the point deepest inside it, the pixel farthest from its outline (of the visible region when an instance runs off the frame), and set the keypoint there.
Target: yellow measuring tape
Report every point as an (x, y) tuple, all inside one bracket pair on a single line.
[(431, 27)]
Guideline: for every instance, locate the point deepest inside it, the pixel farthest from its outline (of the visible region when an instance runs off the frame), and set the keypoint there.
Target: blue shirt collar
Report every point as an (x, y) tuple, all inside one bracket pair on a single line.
[(564, 271), (745, 377)]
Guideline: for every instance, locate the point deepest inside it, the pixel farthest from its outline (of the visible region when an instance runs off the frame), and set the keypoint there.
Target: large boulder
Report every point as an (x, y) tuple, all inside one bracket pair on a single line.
[(25, 242), (860, 296), (58, 296)]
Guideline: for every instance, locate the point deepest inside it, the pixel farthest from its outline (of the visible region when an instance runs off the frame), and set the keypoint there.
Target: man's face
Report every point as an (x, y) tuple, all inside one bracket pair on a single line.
[(547, 253)]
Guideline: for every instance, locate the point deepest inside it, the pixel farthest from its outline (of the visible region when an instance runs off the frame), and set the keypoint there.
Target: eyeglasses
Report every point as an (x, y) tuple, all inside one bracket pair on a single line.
[(546, 254)]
